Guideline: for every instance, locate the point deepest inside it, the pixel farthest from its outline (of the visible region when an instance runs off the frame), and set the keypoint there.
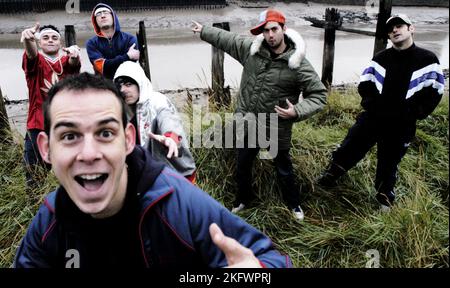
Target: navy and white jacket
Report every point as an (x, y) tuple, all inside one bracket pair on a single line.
[(173, 225), (401, 86)]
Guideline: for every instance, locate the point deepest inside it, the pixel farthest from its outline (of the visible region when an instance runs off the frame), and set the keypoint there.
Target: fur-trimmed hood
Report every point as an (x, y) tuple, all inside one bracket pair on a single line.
[(300, 47)]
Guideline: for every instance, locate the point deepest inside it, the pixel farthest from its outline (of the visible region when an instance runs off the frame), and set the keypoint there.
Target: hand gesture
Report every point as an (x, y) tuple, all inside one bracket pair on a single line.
[(237, 255), (197, 27), (288, 112), (72, 51), (168, 142), (133, 53), (28, 34)]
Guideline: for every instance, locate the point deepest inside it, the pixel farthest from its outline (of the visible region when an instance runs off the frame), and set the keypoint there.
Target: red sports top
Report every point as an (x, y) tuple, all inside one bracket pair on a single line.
[(41, 73)]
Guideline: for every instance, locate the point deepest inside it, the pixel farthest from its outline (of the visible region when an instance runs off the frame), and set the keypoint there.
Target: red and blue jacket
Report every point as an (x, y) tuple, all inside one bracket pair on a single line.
[(107, 54), (172, 225)]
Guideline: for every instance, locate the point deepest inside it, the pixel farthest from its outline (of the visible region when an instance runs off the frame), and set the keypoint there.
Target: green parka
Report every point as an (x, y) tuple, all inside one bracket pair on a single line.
[(267, 82)]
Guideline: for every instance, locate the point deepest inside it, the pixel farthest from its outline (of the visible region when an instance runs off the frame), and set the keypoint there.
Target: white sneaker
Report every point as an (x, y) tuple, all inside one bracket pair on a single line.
[(298, 213), (238, 208), (385, 209)]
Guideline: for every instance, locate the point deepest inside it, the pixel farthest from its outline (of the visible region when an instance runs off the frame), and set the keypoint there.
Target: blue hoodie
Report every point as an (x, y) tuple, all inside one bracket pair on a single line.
[(107, 54)]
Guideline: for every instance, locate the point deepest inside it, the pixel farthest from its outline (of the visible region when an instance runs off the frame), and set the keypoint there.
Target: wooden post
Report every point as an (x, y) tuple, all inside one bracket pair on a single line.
[(4, 122), (143, 58), (221, 93), (70, 36), (380, 34), (332, 22)]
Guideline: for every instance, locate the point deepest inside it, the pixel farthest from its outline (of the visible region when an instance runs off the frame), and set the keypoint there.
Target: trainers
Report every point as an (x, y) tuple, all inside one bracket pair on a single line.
[(385, 209), (238, 208), (298, 213), (386, 199), (329, 177), (326, 180)]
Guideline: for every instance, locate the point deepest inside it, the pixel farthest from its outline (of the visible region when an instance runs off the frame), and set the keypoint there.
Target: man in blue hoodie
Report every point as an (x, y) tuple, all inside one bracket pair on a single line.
[(117, 206), (110, 47)]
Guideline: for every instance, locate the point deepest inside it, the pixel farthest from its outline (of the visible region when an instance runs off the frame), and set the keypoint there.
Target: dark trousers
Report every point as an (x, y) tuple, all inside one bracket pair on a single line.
[(392, 143), (285, 174), (33, 160)]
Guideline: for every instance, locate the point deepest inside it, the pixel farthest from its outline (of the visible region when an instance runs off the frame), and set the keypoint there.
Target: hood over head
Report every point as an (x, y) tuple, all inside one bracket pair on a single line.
[(116, 24), (134, 71)]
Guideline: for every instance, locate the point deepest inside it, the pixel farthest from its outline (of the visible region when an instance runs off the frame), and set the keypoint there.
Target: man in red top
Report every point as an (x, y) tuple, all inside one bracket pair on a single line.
[(42, 69)]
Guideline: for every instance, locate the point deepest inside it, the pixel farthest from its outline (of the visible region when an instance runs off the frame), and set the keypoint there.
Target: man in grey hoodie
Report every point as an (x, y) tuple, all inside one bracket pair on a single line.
[(158, 124)]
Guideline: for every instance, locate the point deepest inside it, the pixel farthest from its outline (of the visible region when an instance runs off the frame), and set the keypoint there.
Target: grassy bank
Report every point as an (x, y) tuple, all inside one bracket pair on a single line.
[(341, 223)]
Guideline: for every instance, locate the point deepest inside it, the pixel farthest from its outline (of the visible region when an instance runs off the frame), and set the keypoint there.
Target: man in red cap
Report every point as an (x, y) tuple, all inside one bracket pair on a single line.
[(275, 74)]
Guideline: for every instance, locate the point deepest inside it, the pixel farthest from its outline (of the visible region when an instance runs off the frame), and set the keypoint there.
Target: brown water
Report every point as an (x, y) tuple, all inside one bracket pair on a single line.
[(179, 59)]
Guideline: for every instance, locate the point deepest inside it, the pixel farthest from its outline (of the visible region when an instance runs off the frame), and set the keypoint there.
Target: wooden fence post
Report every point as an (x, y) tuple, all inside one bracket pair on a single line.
[(4, 122), (70, 36), (142, 40), (380, 34), (332, 22), (221, 93)]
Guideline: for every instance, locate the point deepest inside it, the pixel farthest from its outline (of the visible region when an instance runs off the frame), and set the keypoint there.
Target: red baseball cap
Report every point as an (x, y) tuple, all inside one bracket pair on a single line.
[(268, 16)]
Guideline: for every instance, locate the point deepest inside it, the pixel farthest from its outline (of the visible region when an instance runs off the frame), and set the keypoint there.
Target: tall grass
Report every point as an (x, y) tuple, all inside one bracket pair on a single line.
[(341, 223)]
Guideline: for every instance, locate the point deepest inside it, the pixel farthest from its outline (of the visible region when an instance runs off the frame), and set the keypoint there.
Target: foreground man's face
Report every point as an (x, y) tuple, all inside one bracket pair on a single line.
[(87, 149)]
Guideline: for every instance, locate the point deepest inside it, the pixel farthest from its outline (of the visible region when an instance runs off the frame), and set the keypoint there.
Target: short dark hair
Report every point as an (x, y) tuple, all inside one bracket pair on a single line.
[(48, 26), (124, 79), (81, 82)]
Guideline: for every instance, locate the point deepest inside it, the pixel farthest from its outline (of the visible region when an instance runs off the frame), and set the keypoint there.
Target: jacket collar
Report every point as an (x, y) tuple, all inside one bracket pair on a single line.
[(299, 47)]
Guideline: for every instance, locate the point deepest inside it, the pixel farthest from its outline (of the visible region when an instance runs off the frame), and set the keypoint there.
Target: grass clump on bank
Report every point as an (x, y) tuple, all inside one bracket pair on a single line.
[(341, 224)]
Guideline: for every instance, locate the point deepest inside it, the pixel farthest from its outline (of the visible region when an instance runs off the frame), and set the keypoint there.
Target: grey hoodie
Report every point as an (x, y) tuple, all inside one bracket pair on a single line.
[(157, 114)]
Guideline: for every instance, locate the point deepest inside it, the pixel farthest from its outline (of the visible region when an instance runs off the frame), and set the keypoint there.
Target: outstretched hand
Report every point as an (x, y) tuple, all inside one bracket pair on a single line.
[(287, 113), (168, 142), (197, 27), (237, 255), (28, 34), (72, 51)]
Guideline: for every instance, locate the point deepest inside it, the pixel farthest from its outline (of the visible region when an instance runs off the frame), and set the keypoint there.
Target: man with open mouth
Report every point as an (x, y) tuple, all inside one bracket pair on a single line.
[(117, 206)]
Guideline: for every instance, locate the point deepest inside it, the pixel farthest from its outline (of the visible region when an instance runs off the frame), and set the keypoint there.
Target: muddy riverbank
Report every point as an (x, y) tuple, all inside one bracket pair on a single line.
[(173, 27), (233, 13)]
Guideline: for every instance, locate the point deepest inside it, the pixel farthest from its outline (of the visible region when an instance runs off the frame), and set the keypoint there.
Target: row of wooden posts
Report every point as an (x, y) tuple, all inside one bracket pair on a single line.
[(220, 93)]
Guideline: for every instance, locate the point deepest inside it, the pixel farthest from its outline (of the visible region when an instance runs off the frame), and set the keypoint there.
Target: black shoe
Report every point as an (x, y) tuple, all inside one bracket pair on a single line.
[(327, 180), (329, 177), (386, 199)]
